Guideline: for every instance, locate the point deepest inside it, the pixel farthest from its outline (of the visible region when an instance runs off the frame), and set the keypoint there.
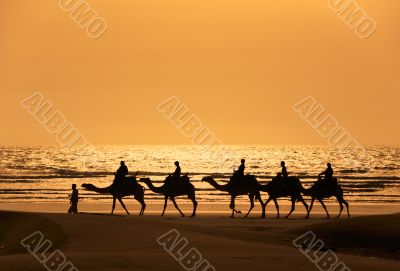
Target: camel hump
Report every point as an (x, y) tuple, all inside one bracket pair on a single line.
[(250, 176), (185, 178), (243, 180), (131, 179)]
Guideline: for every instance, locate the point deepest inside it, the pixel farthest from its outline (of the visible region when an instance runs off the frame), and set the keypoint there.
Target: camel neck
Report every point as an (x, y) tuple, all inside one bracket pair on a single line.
[(218, 186), (155, 189)]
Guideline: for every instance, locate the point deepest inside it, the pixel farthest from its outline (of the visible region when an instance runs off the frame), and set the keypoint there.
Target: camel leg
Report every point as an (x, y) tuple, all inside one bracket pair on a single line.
[(340, 207), (277, 207), (266, 203), (193, 198), (309, 209), (232, 206), (165, 205), (301, 199), (141, 201), (293, 206), (347, 207), (176, 206), (251, 197), (123, 205), (139, 196), (258, 197), (341, 201), (113, 205), (323, 206), (268, 200)]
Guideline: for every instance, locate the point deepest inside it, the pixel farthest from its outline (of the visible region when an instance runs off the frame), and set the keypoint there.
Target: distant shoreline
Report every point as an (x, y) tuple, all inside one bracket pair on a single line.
[(204, 209)]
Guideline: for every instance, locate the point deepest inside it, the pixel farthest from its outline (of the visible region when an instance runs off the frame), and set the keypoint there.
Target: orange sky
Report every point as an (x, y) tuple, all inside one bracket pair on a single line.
[(238, 65)]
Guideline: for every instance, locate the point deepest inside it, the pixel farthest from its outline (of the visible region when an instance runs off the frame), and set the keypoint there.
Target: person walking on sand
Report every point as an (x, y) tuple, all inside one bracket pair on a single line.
[(74, 198)]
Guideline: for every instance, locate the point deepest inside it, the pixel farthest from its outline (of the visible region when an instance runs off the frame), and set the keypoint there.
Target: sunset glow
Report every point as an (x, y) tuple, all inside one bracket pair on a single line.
[(239, 66)]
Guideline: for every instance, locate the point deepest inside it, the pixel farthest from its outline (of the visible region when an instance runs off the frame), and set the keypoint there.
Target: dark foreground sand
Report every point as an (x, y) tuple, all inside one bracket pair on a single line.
[(104, 242)]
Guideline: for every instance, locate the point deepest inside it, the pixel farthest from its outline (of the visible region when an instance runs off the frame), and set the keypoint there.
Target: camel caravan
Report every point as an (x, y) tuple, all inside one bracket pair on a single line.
[(239, 184)]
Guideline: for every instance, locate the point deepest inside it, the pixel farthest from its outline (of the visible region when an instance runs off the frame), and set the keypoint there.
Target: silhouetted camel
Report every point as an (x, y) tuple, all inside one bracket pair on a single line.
[(289, 187), (322, 191), (127, 187), (173, 188), (248, 186)]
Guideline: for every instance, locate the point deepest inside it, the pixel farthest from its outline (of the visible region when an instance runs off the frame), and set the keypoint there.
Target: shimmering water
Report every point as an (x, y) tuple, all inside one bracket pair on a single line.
[(45, 174)]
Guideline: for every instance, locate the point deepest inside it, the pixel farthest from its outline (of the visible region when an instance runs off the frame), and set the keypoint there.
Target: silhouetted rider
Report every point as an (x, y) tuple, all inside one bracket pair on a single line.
[(122, 171), (284, 171), (238, 174), (177, 174), (120, 175), (242, 167), (328, 173)]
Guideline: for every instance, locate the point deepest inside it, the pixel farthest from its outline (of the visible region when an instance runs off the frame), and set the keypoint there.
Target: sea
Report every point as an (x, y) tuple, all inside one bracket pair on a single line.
[(44, 174)]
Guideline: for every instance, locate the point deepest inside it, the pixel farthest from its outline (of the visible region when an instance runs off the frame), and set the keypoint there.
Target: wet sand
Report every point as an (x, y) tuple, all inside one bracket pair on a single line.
[(95, 241)]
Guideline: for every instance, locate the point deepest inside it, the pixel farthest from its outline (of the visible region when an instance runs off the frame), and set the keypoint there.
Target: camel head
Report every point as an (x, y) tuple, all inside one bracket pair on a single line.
[(207, 179), (88, 186)]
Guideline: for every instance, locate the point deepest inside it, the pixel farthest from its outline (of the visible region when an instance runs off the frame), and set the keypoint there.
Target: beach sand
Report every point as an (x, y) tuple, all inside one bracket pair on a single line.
[(94, 241)]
